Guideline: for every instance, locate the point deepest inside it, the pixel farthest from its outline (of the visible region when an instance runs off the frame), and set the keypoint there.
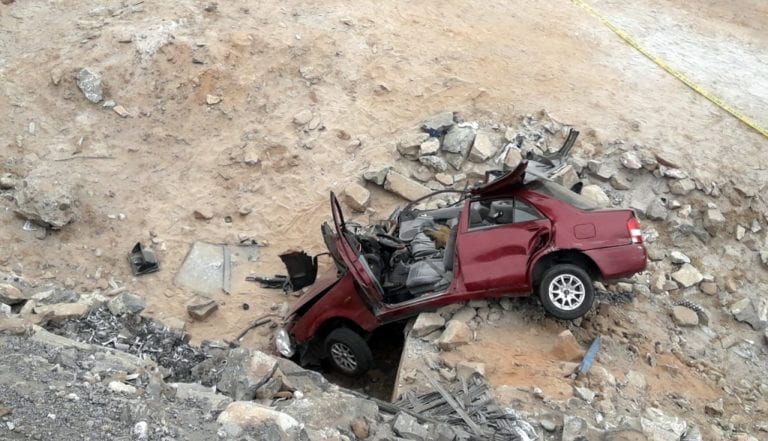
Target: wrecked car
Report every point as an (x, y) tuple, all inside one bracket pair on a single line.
[(508, 236)]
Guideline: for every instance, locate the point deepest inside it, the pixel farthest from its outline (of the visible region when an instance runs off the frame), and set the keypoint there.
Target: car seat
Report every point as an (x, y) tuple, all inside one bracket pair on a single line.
[(433, 274)]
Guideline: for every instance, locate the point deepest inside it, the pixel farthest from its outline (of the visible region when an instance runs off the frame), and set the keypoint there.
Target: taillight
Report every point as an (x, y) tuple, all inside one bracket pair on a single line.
[(633, 225)]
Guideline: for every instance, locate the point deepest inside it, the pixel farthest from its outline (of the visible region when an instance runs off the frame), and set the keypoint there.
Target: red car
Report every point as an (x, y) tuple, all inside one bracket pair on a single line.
[(505, 237)]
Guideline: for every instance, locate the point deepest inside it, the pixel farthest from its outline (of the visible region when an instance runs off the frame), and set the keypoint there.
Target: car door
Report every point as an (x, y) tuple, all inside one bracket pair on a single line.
[(349, 250), (498, 239)]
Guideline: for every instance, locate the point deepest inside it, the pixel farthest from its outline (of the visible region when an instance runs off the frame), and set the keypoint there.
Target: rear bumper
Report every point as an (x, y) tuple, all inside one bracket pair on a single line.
[(621, 261)]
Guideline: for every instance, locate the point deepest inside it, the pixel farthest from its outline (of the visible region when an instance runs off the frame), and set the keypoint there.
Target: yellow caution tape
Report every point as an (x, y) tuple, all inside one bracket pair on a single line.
[(677, 74)]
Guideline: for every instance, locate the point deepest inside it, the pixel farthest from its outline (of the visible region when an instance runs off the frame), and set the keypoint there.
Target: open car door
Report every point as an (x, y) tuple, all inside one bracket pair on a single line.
[(350, 252), (502, 184)]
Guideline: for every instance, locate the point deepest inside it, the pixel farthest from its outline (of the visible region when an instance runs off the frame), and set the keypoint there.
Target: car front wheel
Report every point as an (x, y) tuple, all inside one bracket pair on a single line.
[(566, 291), (348, 352)]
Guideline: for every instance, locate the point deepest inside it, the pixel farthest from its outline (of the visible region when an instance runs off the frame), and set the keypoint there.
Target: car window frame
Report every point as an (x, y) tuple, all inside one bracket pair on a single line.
[(514, 199)]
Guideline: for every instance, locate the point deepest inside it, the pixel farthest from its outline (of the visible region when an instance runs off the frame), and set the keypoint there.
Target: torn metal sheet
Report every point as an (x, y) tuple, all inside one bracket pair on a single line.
[(208, 267)]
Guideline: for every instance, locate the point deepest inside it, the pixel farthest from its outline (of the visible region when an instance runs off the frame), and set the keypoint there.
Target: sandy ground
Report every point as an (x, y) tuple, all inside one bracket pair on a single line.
[(366, 72)]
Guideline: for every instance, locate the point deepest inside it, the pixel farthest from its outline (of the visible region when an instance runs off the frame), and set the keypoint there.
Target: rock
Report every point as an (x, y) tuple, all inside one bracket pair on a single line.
[(658, 426), (636, 380), (566, 347), (679, 258), (741, 231), (444, 178), (409, 428), (713, 221), (203, 213), (513, 159), (5, 309), (357, 197), (465, 369), (245, 372), (549, 422), (631, 161), (682, 186), (422, 174), (763, 256), (673, 173), (574, 428), (126, 303), (429, 147), (200, 308), (212, 99), (121, 111), (360, 428), (709, 288), (122, 388), (10, 295), (464, 314), (426, 323), (566, 176), (409, 145), (241, 416), (752, 311), (482, 148), (200, 394), (89, 83), (714, 408), (687, 275), (584, 393), (377, 175), (303, 117), (47, 199), (458, 140), (14, 325), (683, 316), (435, 163), (7, 182), (56, 75), (438, 124), (59, 312), (603, 170), (619, 182), (456, 334), (656, 210), (596, 194), (404, 187)]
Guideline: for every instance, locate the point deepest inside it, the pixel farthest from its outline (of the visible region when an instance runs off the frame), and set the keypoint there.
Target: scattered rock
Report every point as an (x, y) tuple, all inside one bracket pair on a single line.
[(464, 314), (357, 197), (465, 369), (212, 99), (763, 255), (203, 213), (458, 140), (122, 388), (200, 308), (404, 187), (584, 393), (89, 83), (566, 176), (409, 428), (714, 408), (687, 275), (566, 347), (740, 232), (10, 295), (422, 174), (709, 288), (482, 148), (679, 258), (456, 334), (631, 161), (56, 75), (377, 175), (434, 162), (513, 159), (409, 145), (46, 199), (121, 111), (245, 372), (619, 182), (574, 428), (241, 416), (438, 124), (303, 117), (426, 323), (596, 194), (59, 312), (429, 147), (713, 221), (444, 179), (7, 182), (126, 303), (658, 426), (360, 428), (752, 311), (656, 210), (682, 186), (684, 316)]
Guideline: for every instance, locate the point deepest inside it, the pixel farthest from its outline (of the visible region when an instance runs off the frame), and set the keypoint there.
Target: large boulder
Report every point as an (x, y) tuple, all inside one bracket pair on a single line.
[(687, 275), (426, 323), (245, 372), (47, 198), (456, 334), (254, 420), (126, 303), (753, 311), (10, 295), (407, 188), (567, 348), (658, 426)]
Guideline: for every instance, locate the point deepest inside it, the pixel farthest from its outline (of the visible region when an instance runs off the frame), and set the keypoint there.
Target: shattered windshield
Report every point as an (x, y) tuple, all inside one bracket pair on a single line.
[(558, 191)]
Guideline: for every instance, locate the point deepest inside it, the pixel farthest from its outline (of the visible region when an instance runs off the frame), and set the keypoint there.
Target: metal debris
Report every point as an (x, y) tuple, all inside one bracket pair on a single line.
[(469, 409)]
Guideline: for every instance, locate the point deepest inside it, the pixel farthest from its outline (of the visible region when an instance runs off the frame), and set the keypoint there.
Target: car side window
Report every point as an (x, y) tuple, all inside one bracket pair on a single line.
[(494, 212)]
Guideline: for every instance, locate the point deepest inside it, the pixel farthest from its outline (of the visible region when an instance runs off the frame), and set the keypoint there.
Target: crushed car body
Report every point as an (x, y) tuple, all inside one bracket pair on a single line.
[(508, 236)]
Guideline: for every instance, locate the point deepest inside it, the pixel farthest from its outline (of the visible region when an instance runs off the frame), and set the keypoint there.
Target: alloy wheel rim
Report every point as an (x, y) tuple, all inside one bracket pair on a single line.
[(343, 357), (567, 292)]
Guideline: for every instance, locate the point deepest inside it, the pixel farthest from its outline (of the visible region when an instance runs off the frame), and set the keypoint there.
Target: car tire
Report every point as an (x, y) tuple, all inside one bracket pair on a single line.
[(566, 291), (348, 352)]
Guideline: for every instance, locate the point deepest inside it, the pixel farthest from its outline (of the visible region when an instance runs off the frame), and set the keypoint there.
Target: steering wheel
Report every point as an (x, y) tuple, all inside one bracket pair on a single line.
[(389, 241)]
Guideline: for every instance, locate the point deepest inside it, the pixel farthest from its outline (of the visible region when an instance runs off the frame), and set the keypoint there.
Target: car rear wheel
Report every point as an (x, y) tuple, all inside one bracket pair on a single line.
[(348, 352), (566, 291)]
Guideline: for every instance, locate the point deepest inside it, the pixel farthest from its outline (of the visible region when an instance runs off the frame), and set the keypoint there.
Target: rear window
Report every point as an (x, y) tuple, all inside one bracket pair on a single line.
[(556, 190)]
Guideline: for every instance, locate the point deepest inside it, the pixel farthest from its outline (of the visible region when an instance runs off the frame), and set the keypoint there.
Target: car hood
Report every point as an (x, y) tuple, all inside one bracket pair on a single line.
[(314, 292)]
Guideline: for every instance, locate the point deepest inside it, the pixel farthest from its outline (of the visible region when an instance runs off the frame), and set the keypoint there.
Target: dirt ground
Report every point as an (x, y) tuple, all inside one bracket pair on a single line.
[(366, 71)]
